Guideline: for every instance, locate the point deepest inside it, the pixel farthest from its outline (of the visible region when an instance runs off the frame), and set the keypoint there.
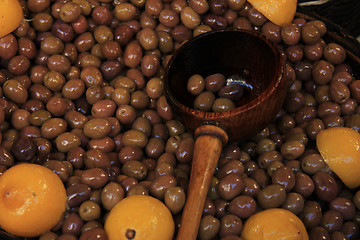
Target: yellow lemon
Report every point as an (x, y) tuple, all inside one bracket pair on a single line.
[(274, 224), (280, 12), (32, 200), (340, 149), (140, 217), (11, 15)]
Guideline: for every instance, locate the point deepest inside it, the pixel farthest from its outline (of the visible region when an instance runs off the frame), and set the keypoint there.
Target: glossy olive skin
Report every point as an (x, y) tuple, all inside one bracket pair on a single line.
[(82, 89)]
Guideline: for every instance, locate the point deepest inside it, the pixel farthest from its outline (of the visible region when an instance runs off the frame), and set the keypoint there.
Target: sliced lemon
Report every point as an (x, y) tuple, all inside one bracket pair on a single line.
[(340, 149), (280, 12)]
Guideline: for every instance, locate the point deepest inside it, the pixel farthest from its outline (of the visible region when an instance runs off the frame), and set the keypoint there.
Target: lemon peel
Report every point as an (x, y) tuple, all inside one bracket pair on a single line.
[(140, 217), (340, 149), (11, 15), (274, 224), (32, 200), (280, 12)]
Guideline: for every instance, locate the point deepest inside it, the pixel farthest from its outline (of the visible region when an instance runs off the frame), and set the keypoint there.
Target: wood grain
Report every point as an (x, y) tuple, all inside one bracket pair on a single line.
[(229, 53), (207, 150)]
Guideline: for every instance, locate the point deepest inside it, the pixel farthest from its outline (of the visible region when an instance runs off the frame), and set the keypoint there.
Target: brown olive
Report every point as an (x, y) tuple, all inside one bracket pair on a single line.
[(72, 224), (251, 187), (103, 108), (310, 34), (311, 214), (184, 150), (126, 114), (319, 233), (312, 163), (94, 233), (291, 34), (294, 202), (331, 220), (77, 194), (8, 46), (23, 149), (160, 185), (209, 227), (334, 53), (52, 45), (271, 196), (196, 84), (135, 169), (70, 12), (189, 17), (230, 224), (97, 128), (174, 199), (89, 210), (15, 91), (230, 186), (304, 185), (214, 82), (94, 158), (266, 158), (174, 127), (111, 194), (326, 187), (223, 104), (243, 206), (53, 127), (94, 177), (344, 206), (134, 138), (48, 236), (285, 177), (66, 141), (232, 166), (292, 149)]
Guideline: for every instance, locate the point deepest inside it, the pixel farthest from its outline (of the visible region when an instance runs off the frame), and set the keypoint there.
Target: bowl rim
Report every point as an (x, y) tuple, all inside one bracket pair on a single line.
[(275, 84)]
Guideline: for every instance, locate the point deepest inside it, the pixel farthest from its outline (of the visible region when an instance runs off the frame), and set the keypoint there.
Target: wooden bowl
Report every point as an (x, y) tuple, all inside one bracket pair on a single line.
[(229, 52), (260, 65)]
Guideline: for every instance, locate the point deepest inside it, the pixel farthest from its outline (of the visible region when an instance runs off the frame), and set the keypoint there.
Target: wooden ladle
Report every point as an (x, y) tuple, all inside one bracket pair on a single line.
[(232, 53)]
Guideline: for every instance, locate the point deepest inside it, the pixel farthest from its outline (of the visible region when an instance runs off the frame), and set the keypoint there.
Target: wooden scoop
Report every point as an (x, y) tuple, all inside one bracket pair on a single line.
[(230, 53)]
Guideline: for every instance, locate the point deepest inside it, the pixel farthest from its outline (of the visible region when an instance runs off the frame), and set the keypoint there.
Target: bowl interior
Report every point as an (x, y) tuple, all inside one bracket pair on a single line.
[(241, 53)]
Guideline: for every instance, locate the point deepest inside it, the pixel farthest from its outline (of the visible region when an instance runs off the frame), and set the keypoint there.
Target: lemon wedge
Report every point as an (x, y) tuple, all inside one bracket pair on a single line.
[(340, 149), (280, 12)]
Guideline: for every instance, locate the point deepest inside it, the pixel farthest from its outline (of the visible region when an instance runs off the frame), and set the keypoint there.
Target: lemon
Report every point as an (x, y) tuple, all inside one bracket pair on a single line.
[(274, 224), (340, 149), (11, 15), (280, 12), (140, 217)]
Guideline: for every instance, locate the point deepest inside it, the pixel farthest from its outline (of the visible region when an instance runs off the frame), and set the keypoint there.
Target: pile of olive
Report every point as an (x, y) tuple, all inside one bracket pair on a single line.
[(82, 93), (213, 93)]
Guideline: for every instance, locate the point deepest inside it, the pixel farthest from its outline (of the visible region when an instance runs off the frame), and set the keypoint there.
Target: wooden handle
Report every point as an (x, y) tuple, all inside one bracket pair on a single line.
[(207, 150)]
